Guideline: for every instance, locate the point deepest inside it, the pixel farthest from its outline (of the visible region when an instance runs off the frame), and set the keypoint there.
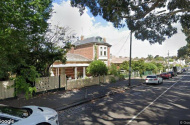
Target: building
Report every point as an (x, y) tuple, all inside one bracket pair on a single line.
[(82, 53), (118, 60), (93, 47), (74, 68)]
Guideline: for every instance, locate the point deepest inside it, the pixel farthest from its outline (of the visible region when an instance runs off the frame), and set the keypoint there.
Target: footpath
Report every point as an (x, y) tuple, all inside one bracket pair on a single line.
[(60, 100)]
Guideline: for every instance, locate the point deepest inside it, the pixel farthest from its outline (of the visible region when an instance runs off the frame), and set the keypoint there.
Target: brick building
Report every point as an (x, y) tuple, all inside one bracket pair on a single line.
[(93, 47), (82, 53)]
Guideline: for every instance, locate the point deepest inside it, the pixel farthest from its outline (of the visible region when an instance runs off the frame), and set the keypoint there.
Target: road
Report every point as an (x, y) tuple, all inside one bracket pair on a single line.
[(163, 104)]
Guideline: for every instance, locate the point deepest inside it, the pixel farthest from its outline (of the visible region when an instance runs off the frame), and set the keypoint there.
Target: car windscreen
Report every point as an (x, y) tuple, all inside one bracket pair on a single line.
[(19, 112), (151, 77)]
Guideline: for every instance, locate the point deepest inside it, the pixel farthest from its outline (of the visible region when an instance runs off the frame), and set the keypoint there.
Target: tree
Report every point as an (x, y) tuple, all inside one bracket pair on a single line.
[(113, 70), (160, 66), (55, 44), (22, 25), (151, 67), (158, 58), (149, 19), (182, 52), (124, 66), (138, 66), (150, 58), (97, 68)]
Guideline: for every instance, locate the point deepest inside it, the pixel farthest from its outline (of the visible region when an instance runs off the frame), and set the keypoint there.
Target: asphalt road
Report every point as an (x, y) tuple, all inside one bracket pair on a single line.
[(163, 104)]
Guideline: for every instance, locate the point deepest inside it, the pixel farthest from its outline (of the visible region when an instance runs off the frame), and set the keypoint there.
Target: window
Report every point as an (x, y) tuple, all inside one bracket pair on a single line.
[(103, 50), (18, 112)]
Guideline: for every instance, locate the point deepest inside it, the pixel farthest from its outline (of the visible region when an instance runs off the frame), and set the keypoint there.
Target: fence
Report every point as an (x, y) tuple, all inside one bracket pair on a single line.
[(54, 82), (6, 91), (80, 83), (50, 83)]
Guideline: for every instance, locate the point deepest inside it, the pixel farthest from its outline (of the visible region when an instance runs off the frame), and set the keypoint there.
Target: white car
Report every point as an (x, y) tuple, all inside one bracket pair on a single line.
[(153, 79), (28, 115)]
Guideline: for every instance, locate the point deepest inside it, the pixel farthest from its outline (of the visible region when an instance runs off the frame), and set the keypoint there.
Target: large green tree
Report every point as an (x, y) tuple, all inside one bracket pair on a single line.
[(149, 19), (138, 66), (22, 25)]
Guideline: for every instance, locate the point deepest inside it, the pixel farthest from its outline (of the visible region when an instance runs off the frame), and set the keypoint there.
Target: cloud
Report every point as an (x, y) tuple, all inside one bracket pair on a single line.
[(65, 15)]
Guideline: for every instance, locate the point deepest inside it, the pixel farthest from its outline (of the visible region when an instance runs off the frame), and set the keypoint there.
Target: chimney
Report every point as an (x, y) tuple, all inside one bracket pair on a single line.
[(104, 39), (82, 37)]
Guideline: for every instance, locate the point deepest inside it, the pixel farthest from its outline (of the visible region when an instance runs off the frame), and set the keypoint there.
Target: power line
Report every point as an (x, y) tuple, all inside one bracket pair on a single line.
[(117, 43), (123, 45)]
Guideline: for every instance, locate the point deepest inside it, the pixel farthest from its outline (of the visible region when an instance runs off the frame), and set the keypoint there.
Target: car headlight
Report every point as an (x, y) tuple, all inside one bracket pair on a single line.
[(53, 118)]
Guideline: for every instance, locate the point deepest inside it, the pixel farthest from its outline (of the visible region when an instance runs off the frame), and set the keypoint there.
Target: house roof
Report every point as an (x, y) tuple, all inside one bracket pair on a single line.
[(91, 40), (119, 60), (76, 58)]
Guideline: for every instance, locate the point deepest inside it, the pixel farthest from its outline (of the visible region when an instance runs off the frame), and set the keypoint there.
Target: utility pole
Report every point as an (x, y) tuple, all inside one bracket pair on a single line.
[(168, 58), (130, 69)]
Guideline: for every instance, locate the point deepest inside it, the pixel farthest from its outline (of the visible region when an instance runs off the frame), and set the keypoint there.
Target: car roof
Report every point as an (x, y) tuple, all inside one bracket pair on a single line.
[(152, 75)]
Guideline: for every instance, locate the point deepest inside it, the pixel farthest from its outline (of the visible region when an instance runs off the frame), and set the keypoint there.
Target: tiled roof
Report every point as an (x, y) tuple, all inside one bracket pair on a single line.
[(91, 40), (76, 58), (119, 60)]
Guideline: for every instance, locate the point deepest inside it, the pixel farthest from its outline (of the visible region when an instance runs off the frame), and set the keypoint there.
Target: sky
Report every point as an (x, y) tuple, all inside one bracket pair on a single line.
[(90, 26)]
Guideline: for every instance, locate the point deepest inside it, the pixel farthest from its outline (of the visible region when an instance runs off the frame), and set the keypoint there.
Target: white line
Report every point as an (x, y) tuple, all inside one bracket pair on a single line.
[(134, 117)]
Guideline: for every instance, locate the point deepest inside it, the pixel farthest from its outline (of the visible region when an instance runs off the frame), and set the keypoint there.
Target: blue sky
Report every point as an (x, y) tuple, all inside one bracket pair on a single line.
[(89, 26), (97, 18)]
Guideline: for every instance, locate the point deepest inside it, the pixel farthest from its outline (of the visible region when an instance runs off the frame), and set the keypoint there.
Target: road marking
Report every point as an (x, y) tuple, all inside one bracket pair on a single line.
[(134, 117)]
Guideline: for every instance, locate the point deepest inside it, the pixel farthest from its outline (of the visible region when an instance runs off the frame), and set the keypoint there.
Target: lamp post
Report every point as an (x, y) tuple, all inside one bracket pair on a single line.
[(130, 59)]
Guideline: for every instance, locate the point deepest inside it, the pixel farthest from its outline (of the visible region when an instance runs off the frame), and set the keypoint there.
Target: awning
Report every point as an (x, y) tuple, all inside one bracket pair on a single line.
[(69, 65)]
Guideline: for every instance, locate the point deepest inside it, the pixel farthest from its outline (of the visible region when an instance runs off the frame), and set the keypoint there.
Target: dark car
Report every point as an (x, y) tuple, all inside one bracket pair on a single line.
[(165, 75), (172, 74), (183, 70)]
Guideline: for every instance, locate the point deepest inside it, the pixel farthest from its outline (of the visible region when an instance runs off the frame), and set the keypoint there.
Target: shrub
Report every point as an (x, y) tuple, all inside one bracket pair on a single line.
[(97, 68), (121, 77), (113, 70), (112, 80), (25, 80)]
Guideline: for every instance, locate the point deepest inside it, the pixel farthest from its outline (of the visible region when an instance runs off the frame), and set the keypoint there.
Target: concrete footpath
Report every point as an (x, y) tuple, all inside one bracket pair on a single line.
[(60, 100)]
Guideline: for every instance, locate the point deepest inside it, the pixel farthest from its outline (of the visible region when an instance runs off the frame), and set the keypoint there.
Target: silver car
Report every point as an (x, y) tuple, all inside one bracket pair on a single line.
[(28, 115), (153, 79)]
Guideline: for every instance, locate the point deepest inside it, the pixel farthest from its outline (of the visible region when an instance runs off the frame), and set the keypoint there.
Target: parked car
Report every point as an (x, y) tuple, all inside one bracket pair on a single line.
[(172, 74), (165, 75), (183, 70), (153, 79), (28, 115)]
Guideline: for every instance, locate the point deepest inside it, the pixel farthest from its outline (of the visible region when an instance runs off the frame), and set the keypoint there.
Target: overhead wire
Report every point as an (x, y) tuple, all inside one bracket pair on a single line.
[(123, 45)]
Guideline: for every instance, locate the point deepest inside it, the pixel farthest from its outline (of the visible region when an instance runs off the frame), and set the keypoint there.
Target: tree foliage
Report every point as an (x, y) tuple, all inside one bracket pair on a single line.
[(151, 67), (28, 44), (124, 66), (150, 58), (97, 68), (22, 25), (138, 66), (183, 51), (112, 70), (149, 19), (24, 82)]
